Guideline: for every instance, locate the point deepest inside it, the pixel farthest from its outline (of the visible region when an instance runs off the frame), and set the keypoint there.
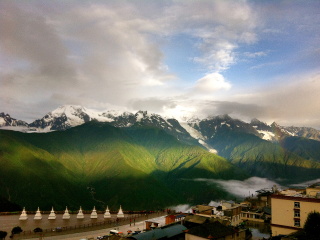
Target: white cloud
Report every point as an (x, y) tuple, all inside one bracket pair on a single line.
[(288, 100), (184, 208), (212, 82), (255, 54), (111, 53), (242, 188), (306, 184)]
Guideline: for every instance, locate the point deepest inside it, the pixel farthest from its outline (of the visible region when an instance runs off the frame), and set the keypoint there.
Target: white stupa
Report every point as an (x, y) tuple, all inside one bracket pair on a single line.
[(107, 213), (52, 215), (80, 214), (23, 215), (38, 215), (120, 213), (66, 214), (94, 213)]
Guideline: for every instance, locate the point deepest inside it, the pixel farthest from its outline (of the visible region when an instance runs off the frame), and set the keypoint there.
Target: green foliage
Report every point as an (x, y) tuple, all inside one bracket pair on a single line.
[(8, 206), (37, 230), (304, 147), (3, 234), (16, 230), (97, 164), (264, 159), (312, 226)]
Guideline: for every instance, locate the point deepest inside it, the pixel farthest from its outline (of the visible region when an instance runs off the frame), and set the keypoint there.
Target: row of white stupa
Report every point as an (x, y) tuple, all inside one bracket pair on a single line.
[(66, 214)]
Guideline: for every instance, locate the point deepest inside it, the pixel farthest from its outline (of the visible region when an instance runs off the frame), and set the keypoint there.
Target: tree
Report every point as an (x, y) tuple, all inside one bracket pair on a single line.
[(16, 230), (312, 226), (3, 235), (37, 230)]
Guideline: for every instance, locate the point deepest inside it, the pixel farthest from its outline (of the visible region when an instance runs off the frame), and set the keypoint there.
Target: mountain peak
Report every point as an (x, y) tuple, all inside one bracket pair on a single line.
[(256, 121), (68, 110), (7, 120)]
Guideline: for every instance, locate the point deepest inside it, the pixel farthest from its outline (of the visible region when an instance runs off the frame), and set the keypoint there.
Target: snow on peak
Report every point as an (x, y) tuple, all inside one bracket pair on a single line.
[(145, 114), (269, 136), (68, 110)]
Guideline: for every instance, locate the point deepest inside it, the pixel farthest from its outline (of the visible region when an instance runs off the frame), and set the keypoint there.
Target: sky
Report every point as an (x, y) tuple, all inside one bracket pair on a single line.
[(248, 59)]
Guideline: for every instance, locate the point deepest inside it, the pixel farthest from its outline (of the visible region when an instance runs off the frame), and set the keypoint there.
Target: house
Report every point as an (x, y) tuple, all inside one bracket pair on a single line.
[(258, 208), (173, 231), (227, 211), (195, 220), (215, 230), (175, 218), (202, 209), (290, 208)]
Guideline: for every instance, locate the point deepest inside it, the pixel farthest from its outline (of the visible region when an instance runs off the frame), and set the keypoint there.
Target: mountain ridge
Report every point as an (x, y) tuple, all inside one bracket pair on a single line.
[(68, 116), (144, 152), (139, 167)]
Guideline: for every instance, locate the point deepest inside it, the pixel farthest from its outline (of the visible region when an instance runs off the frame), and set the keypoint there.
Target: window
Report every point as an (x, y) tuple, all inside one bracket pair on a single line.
[(297, 213), (297, 222), (296, 204)]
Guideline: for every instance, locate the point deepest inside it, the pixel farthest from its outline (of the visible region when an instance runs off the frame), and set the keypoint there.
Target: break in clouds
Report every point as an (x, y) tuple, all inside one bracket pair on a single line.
[(177, 58)]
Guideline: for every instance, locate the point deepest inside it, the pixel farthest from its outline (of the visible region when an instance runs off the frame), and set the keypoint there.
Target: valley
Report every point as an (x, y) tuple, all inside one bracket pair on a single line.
[(145, 161)]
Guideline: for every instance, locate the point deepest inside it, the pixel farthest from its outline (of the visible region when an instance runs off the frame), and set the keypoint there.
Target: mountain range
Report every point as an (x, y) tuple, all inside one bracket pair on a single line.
[(144, 160)]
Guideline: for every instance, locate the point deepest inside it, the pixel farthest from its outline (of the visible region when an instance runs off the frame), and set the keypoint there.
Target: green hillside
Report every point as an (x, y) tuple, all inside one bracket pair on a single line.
[(266, 159), (97, 164), (306, 148)]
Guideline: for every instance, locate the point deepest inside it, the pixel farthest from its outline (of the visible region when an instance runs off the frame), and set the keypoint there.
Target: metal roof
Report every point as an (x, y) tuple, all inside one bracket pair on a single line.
[(174, 230), (160, 233), (152, 234)]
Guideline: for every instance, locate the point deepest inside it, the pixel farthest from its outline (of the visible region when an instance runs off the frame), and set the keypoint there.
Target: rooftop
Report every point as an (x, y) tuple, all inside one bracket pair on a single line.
[(211, 230)]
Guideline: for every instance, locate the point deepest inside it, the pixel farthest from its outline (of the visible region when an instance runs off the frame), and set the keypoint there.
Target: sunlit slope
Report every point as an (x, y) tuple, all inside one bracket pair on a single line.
[(137, 167), (175, 158), (32, 177)]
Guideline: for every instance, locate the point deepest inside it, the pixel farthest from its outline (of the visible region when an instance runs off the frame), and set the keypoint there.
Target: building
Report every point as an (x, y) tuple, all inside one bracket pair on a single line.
[(215, 230), (227, 211), (173, 231), (232, 211), (172, 218), (290, 208)]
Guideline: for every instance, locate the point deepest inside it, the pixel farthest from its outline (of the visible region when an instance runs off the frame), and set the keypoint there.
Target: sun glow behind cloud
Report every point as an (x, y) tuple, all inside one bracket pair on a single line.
[(114, 54)]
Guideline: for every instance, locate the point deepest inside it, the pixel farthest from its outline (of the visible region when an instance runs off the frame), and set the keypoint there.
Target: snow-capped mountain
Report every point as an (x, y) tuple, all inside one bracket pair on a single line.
[(68, 116), (192, 130), (7, 121)]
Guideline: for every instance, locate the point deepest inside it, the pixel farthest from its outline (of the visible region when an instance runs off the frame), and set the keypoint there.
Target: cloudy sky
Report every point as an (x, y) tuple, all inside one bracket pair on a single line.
[(179, 58)]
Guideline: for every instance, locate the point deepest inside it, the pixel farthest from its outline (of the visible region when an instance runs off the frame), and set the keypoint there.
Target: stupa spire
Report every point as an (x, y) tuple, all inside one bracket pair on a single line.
[(94, 213), (120, 213), (80, 214), (66, 214), (38, 215), (52, 215), (23, 215), (107, 213)]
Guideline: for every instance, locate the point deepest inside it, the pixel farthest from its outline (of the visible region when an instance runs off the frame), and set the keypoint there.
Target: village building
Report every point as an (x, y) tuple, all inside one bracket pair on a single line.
[(258, 208), (172, 218), (227, 211), (173, 232), (215, 230), (290, 208)]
